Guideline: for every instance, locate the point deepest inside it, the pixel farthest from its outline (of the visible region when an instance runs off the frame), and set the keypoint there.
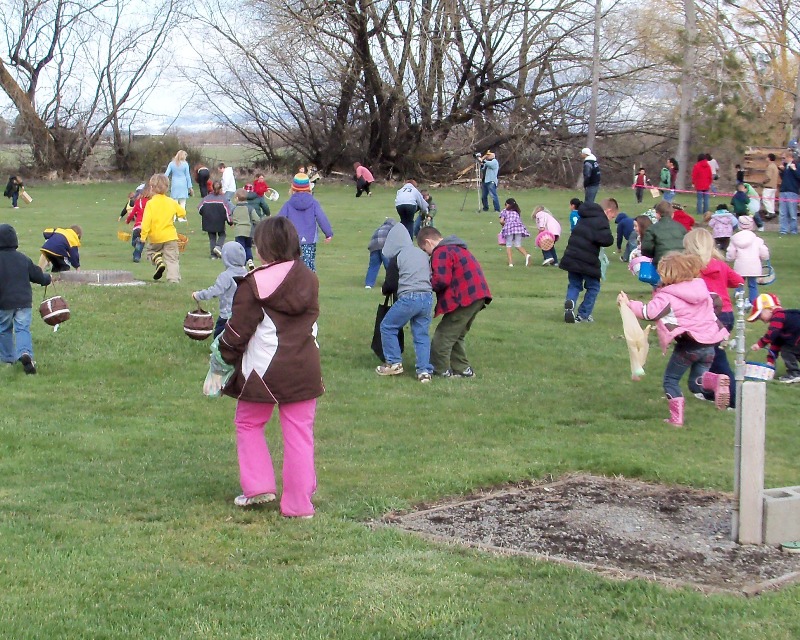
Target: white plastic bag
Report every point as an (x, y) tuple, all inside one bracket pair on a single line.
[(219, 372)]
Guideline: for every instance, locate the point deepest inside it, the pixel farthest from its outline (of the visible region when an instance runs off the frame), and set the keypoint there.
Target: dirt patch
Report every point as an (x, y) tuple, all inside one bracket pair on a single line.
[(675, 535)]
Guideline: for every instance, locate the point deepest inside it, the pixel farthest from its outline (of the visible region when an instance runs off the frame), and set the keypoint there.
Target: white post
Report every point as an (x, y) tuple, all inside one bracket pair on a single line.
[(737, 437), (751, 474)]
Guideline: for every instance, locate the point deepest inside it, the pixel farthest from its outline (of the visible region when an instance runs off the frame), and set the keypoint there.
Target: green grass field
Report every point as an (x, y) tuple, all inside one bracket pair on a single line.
[(118, 476)]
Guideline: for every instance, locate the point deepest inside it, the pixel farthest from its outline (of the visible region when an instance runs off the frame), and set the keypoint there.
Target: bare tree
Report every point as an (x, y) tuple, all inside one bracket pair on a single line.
[(76, 67)]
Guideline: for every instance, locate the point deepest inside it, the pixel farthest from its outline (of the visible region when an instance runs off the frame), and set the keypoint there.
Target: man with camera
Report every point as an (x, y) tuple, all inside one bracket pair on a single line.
[(489, 168), (790, 187)]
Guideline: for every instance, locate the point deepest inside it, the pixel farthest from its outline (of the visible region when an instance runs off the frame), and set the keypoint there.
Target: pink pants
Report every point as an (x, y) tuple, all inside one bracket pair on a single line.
[(255, 464)]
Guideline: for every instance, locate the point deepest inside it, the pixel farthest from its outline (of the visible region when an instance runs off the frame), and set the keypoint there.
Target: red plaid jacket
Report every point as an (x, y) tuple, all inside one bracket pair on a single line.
[(456, 277)]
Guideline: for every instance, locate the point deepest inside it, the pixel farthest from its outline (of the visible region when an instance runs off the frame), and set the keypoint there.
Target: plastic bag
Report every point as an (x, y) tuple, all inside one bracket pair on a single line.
[(219, 372)]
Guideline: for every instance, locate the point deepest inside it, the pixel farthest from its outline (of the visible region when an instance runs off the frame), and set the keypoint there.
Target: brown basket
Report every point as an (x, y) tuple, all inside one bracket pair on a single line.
[(182, 242), (54, 310), (198, 324)]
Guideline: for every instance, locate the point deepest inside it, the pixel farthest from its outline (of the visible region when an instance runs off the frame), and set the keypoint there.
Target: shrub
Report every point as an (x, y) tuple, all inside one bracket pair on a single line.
[(152, 154)]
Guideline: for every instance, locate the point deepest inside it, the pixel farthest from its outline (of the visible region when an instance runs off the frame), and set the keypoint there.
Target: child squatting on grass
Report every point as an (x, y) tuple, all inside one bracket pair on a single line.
[(684, 311), (17, 271), (782, 336), (271, 340), (158, 229)]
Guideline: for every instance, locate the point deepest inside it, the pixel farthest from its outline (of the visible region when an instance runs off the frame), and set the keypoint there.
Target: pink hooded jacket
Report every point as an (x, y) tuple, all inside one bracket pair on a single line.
[(747, 251), (682, 308), (546, 222)]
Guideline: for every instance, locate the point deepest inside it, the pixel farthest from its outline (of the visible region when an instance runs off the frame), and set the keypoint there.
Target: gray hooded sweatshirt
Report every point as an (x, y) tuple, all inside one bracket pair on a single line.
[(413, 270), (233, 257)]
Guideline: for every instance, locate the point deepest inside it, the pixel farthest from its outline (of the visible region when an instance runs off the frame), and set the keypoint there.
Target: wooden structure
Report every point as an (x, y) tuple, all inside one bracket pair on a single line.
[(755, 163)]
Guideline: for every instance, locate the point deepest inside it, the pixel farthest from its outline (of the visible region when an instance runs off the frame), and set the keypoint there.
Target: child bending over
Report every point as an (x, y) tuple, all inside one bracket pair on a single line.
[(782, 336)]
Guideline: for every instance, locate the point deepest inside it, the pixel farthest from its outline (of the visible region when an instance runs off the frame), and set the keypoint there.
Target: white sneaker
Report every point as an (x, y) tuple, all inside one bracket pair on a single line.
[(528, 260), (511, 266), (387, 369), (547, 261), (261, 498), (367, 286)]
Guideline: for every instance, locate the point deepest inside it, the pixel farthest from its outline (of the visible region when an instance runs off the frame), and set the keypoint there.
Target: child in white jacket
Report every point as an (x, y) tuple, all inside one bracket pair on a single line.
[(747, 251)]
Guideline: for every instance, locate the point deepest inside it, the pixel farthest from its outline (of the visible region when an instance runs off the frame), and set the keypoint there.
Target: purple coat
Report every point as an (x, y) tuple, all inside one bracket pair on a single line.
[(306, 214)]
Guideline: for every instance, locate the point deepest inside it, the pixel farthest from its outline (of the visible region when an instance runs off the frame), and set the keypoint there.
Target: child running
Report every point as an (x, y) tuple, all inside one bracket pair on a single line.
[(747, 250), (514, 231), (135, 216), (159, 232), (271, 340), (684, 312), (719, 277)]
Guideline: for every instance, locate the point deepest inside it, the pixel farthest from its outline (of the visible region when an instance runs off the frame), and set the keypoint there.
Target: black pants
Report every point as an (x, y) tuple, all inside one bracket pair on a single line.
[(362, 186), (59, 263), (407, 213), (202, 181)]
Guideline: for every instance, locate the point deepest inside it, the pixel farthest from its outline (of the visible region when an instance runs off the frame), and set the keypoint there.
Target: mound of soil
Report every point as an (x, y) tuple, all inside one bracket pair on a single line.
[(675, 535)]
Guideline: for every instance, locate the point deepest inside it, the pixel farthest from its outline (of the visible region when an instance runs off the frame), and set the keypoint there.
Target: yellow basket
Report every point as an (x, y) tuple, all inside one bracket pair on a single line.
[(123, 235), (182, 242)]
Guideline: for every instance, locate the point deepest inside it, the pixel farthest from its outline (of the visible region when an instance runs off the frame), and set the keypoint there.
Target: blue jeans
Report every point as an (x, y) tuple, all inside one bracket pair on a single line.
[(787, 213), (669, 195), (578, 282), (691, 356), (590, 193), (219, 325), (375, 260), (551, 253), (415, 308), (247, 243), (15, 323), (702, 202), (490, 188)]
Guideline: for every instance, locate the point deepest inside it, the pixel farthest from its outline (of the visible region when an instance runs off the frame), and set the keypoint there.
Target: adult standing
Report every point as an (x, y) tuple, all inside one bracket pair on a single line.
[(790, 187), (702, 177), (591, 175), (407, 202), (227, 180), (491, 168), (306, 214), (181, 185), (714, 170), (202, 175), (364, 179), (770, 186), (664, 236)]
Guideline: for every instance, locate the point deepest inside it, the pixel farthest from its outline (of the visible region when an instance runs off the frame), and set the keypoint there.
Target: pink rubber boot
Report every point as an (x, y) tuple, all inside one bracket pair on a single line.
[(676, 412), (720, 384)]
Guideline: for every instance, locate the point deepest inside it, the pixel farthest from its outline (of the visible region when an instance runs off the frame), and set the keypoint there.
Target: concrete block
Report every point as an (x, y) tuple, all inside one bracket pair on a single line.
[(781, 515)]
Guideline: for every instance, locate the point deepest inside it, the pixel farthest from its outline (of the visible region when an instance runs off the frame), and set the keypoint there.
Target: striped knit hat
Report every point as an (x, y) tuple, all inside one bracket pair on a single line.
[(300, 182)]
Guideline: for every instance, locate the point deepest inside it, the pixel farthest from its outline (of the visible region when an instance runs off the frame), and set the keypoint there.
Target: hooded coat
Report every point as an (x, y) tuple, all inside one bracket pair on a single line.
[(17, 271), (233, 257), (747, 251), (683, 308), (409, 270), (306, 214), (593, 231), (215, 211), (624, 228), (271, 336), (719, 277), (662, 237)]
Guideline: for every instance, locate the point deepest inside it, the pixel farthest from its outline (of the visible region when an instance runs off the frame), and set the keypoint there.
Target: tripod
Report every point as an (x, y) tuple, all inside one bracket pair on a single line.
[(478, 164)]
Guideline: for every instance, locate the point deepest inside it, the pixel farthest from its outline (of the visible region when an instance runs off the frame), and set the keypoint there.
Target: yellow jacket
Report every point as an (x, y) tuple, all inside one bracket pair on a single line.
[(157, 224)]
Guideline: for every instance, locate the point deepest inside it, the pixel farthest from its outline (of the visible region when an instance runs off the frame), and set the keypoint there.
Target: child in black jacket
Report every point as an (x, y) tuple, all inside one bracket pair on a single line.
[(17, 271), (12, 190)]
